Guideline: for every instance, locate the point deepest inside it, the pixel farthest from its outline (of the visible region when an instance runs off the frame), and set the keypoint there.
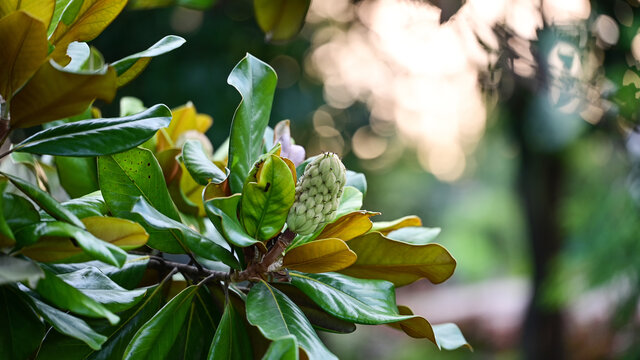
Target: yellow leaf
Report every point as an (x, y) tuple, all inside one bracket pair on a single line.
[(385, 227), (23, 50), (39, 9), (54, 94), (213, 190), (292, 168), (348, 226), (319, 256), (184, 118), (416, 327), (94, 16), (120, 232), (382, 258)]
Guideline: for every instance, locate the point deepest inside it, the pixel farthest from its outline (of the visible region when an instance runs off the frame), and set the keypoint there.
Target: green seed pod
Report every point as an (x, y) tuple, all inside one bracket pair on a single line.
[(318, 194)]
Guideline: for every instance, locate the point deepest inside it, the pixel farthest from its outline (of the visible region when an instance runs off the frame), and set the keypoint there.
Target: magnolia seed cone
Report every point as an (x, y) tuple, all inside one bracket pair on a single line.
[(317, 194)]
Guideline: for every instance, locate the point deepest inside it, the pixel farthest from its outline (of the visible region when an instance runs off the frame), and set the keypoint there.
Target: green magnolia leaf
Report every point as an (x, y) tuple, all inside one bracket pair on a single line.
[(97, 286), (129, 67), (198, 164), (350, 201), (284, 348), (156, 337), (45, 201), (95, 137), (67, 324), (267, 196), (18, 211), (65, 296), (277, 316), (91, 204), (362, 301), (96, 248), (222, 212), (382, 258), (231, 340), (193, 240), (357, 180), (280, 19), (449, 336), (128, 276), (256, 82), (6, 234), (13, 269), (78, 175), (191, 4), (198, 330), (22, 330), (124, 178), (415, 235)]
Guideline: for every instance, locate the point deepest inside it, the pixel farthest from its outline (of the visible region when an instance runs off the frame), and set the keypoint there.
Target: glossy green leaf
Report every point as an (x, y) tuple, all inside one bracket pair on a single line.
[(357, 180), (129, 67), (362, 301), (124, 178), (155, 338), (350, 201), (198, 330), (277, 316), (201, 168), (74, 184), (67, 324), (97, 286), (21, 330), (6, 234), (280, 19), (65, 296), (13, 269), (231, 340), (91, 204), (267, 196), (415, 235), (222, 211), (95, 137), (96, 248), (382, 258), (256, 82), (284, 348), (66, 11), (196, 242), (18, 211), (45, 201), (128, 276)]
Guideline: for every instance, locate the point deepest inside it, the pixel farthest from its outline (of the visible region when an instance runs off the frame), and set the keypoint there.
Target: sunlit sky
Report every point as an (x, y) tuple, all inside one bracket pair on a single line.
[(419, 78)]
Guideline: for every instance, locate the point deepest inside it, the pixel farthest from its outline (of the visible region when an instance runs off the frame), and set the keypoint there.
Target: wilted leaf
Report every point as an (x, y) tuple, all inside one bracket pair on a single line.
[(256, 83), (24, 49), (94, 137), (54, 93), (319, 256), (277, 316), (280, 19), (401, 263), (267, 196), (348, 226)]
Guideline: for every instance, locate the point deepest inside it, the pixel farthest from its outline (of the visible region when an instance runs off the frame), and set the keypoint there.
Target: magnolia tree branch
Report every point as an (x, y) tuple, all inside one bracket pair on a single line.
[(254, 271)]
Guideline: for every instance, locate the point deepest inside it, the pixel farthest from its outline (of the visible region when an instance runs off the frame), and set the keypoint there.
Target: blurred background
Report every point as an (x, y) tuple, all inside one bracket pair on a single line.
[(510, 124)]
